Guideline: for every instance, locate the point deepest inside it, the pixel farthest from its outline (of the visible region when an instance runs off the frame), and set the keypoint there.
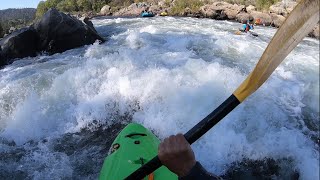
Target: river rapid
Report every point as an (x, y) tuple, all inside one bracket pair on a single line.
[(59, 113)]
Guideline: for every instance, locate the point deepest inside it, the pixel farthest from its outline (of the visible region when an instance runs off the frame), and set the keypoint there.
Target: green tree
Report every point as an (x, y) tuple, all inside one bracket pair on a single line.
[(68, 6), (98, 4), (41, 9), (180, 5), (265, 4), (52, 3), (84, 5)]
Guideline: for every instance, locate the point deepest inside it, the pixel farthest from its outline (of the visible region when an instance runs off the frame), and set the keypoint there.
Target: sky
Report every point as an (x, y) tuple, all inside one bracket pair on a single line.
[(5, 4)]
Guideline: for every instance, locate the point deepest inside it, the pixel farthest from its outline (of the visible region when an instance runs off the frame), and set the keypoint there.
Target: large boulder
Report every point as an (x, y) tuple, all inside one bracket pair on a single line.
[(277, 20), (88, 22), (59, 32), (243, 17), (250, 8), (315, 32), (290, 6), (155, 9), (232, 10), (221, 10), (12, 29), (214, 11), (279, 9), (105, 10), (134, 9), (19, 44), (208, 12), (282, 8), (265, 19)]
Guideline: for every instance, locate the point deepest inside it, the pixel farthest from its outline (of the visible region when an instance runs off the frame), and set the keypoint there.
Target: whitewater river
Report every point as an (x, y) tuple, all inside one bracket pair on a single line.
[(59, 114)]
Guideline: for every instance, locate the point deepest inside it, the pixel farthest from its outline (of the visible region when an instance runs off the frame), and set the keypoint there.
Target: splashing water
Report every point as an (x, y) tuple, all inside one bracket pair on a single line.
[(59, 114)]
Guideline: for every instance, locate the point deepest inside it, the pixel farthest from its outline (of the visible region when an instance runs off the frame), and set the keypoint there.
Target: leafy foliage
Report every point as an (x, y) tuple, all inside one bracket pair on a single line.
[(80, 5), (260, 4), (68, 6), (181, 5), (15, 18), (41, 9), (265, 4), (84, 5), (178, 7)]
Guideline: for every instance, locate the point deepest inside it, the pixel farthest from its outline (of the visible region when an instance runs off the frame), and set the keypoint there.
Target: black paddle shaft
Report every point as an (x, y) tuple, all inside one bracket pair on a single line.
[(191, 136)]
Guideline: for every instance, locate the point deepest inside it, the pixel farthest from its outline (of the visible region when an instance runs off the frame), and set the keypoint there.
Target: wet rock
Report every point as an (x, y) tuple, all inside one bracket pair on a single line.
[(277, 20), (265, 19), (12, 29), (59, 32), (19, 44), (88, 22), (105, 10), (243, 17), (315, 32)]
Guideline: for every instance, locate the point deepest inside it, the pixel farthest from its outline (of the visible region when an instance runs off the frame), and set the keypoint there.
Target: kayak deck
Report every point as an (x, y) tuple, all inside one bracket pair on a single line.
[(133, 147)]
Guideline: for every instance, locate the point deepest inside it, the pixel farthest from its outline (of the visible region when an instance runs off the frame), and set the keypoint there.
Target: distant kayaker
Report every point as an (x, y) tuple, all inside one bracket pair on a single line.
[(247, 26), (176, 154)]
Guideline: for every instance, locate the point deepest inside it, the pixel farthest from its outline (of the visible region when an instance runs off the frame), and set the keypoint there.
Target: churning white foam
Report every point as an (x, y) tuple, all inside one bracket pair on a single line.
[(169, 73)]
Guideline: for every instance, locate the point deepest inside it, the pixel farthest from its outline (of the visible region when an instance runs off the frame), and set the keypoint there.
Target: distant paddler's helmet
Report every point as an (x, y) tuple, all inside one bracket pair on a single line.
[(250, 19)]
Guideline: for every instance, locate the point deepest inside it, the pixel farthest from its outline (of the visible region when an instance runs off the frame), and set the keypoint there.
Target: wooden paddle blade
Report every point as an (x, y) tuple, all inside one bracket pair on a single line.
[(299, 23)]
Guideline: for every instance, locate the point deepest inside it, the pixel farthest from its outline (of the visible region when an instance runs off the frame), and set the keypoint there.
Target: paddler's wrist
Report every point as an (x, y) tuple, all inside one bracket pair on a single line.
[(187, 168)]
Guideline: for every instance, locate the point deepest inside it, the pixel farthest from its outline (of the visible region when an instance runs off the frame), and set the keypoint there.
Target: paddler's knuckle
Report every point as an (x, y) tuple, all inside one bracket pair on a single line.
[(180, 135), (171, 137)]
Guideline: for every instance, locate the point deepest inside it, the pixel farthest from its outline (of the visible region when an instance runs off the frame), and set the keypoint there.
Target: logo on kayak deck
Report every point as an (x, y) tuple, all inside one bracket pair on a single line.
[(115, 147)]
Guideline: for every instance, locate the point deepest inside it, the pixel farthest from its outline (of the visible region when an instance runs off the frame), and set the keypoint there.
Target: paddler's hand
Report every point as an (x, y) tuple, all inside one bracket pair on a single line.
[(176, 154)]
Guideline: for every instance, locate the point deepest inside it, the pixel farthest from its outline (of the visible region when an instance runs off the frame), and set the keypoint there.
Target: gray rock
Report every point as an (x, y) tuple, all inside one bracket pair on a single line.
[(134, 9), (250, 8), (19, 44), (315, 32), (59, 32), (86, 21), (265, 18), (105, 10), (221, 10), (277, 20), (12, 29), (282, 8), (243, 17)]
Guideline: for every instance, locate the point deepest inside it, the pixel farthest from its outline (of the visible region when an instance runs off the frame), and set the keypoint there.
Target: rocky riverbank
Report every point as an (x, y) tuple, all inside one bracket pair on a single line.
[(57, 32), (275, 16), (54, 33)]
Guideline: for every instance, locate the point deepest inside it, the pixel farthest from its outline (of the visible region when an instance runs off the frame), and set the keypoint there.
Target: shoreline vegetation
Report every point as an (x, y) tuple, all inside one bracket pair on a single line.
[(263, 12)]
